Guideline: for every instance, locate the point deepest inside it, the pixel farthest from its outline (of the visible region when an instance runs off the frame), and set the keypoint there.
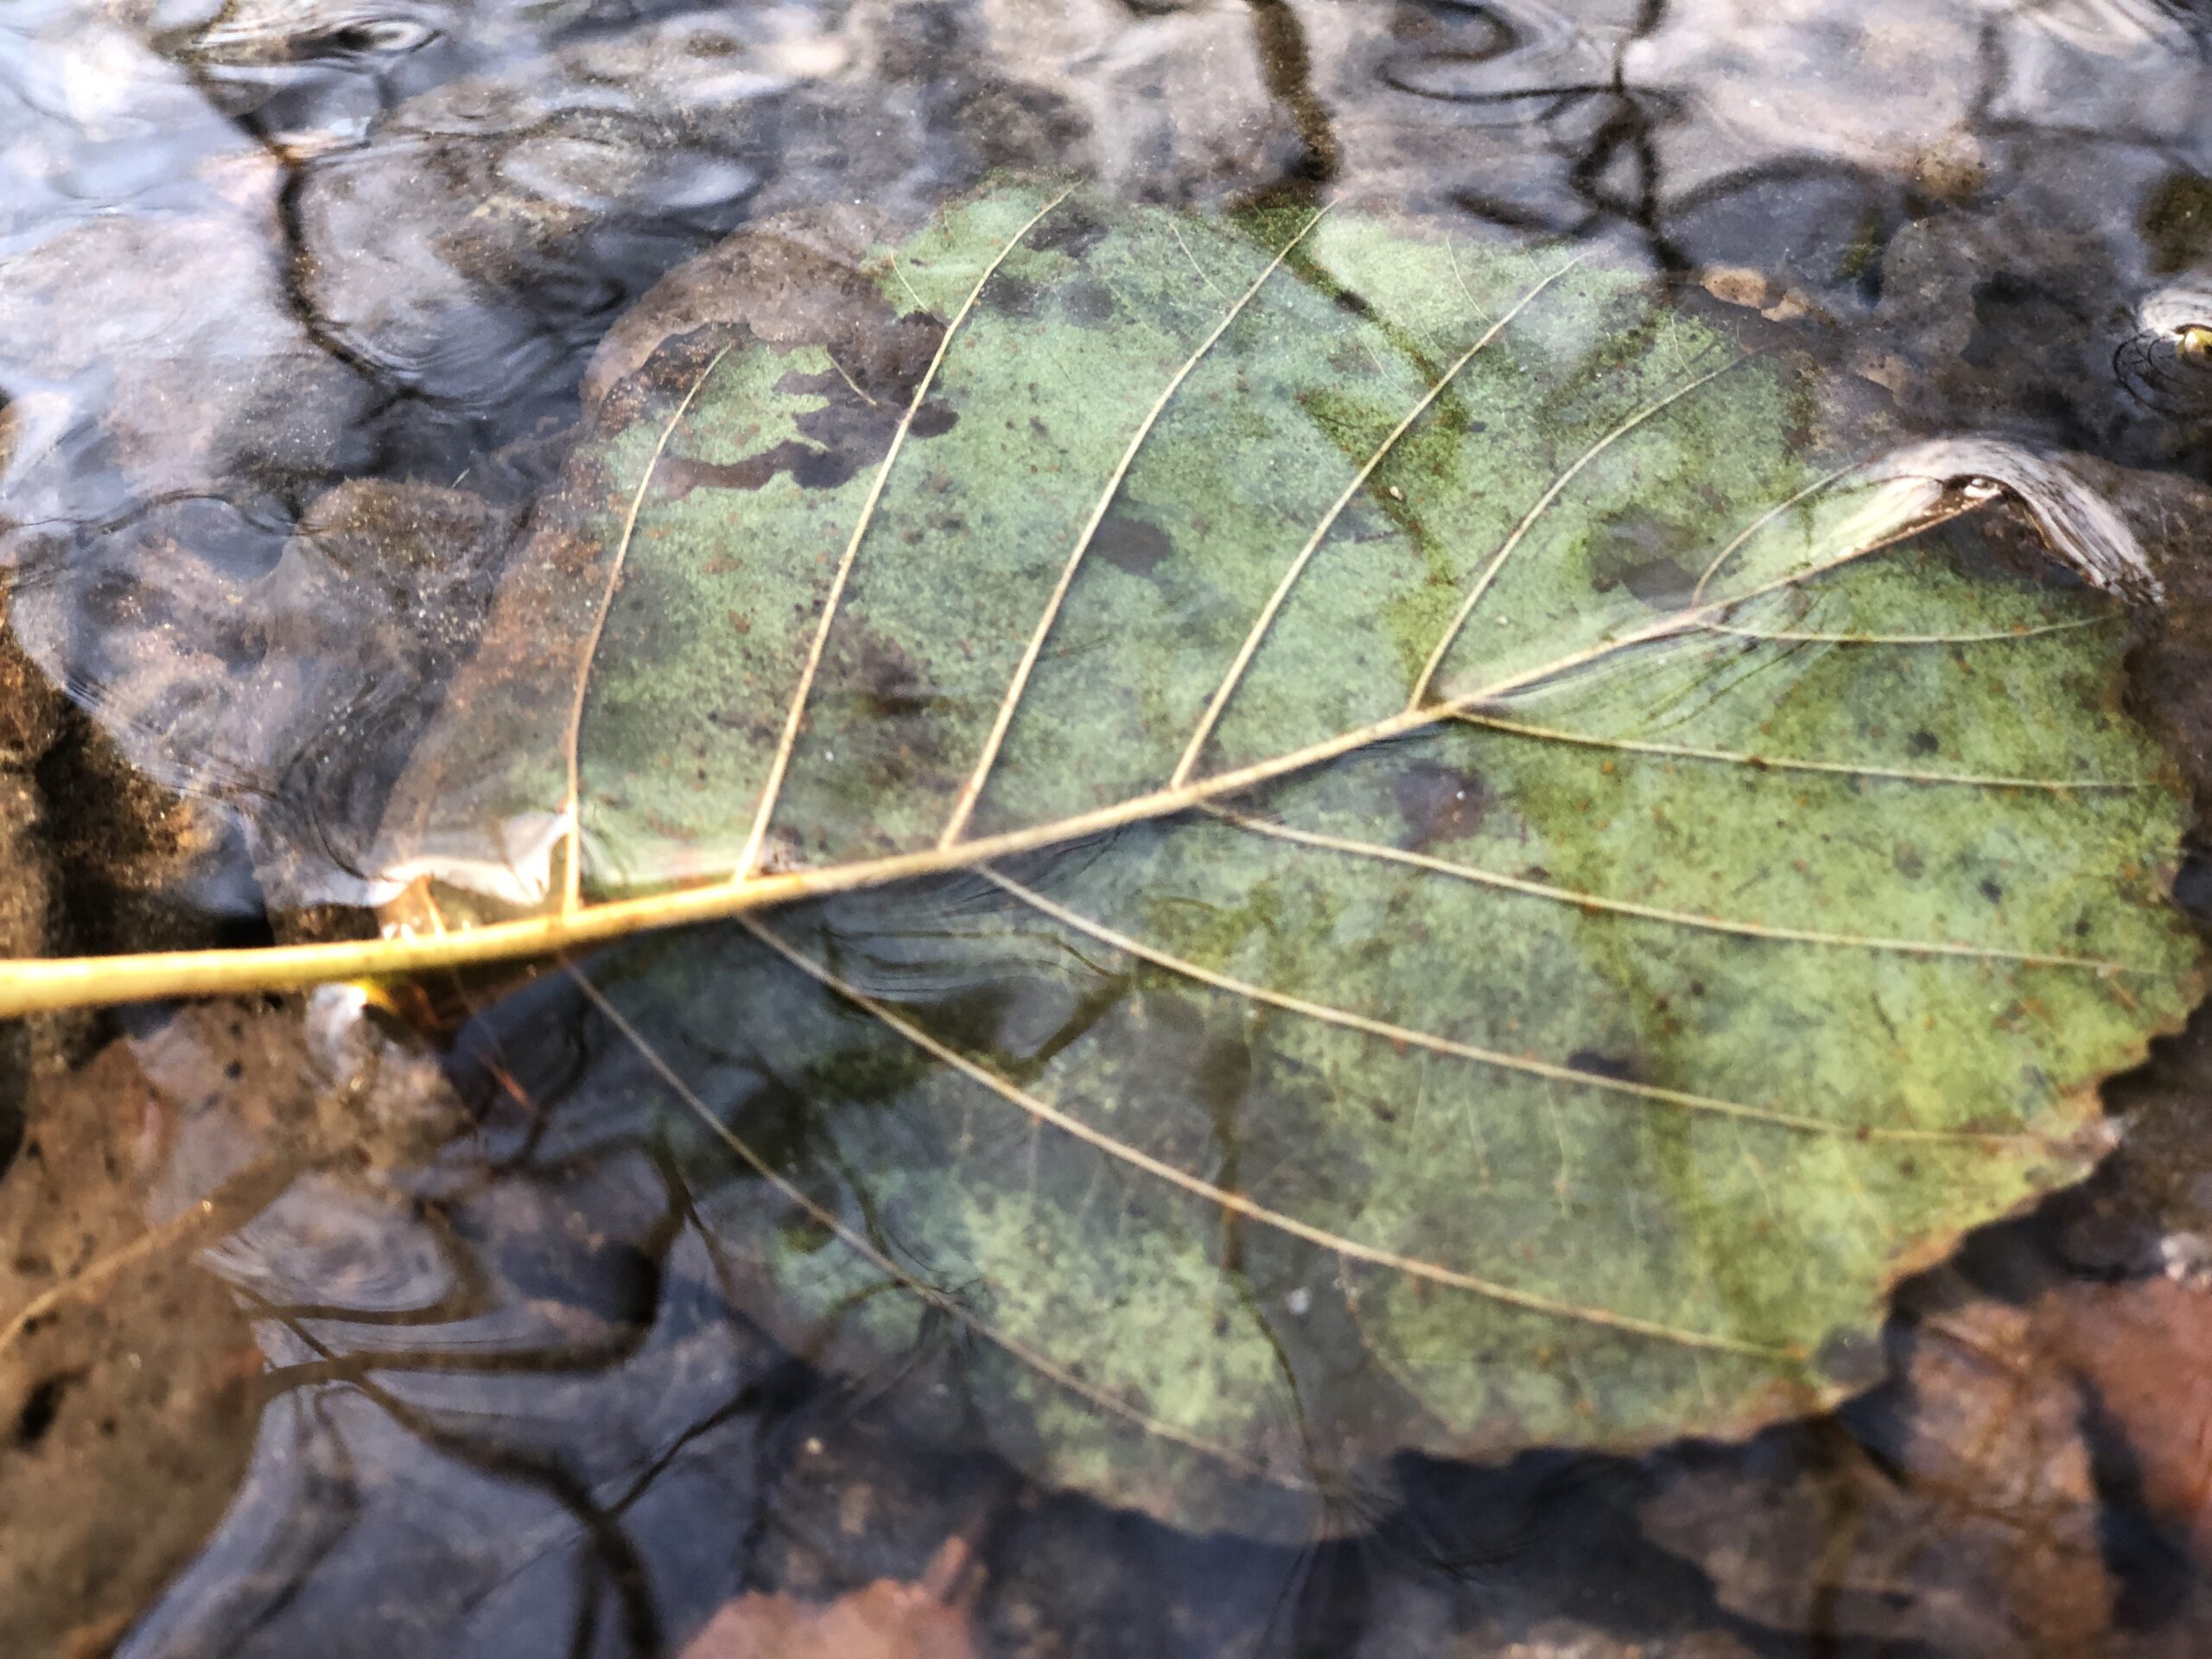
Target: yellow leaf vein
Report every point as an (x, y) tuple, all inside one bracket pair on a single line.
[(780, 761), (1264, 622), (1687, 919), (1786, 762), (1769, 1116), (1237, 1203), (974, 787), (572, 743), (824, 1217)]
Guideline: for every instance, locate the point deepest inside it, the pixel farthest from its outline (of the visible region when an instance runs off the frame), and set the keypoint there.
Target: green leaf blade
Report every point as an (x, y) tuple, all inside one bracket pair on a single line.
[(1621, 915)]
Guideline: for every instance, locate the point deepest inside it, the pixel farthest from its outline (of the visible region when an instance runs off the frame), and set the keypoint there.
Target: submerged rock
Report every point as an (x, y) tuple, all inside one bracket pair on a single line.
[(130, 1374), (246, 670)]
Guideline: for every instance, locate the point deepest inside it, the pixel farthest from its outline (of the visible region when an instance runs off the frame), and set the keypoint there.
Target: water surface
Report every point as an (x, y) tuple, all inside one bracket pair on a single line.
[(437, 1346)]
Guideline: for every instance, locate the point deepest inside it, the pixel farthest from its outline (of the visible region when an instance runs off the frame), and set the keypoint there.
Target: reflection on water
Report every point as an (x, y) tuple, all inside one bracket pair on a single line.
[(296, 297), (504, 1406), (256, 249)]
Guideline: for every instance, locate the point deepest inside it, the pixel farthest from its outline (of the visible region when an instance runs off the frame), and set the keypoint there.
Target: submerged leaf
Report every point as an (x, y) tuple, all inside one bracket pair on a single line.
[(1415, 859)]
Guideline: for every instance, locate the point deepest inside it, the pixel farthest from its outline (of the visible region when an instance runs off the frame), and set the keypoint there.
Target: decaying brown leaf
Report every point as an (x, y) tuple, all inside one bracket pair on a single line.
[(889, 1618)]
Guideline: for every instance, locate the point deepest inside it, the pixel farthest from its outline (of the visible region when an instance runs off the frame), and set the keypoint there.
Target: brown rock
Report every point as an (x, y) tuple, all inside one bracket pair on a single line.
[(1980, 1537), (125, 1372), (130, 1374), (887, 1619), (2144, 1349)]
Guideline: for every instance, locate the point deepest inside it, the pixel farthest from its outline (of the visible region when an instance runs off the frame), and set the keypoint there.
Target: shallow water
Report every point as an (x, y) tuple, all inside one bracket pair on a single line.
[(441, 1340)]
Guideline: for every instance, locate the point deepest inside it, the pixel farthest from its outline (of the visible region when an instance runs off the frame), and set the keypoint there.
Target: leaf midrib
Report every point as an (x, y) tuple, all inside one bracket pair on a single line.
[(32, 986)]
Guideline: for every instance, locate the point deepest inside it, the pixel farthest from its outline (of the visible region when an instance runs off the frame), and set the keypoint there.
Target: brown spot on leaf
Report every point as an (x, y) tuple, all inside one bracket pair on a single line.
[(1654, 558), (1131, 544), (764, 292), (809, 467), (1622, 1068), (1010, 295), (1088, 302), (1439, 802), (932, 419), (661, 380), (889, 678), (1071, 228), (851, 429)]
